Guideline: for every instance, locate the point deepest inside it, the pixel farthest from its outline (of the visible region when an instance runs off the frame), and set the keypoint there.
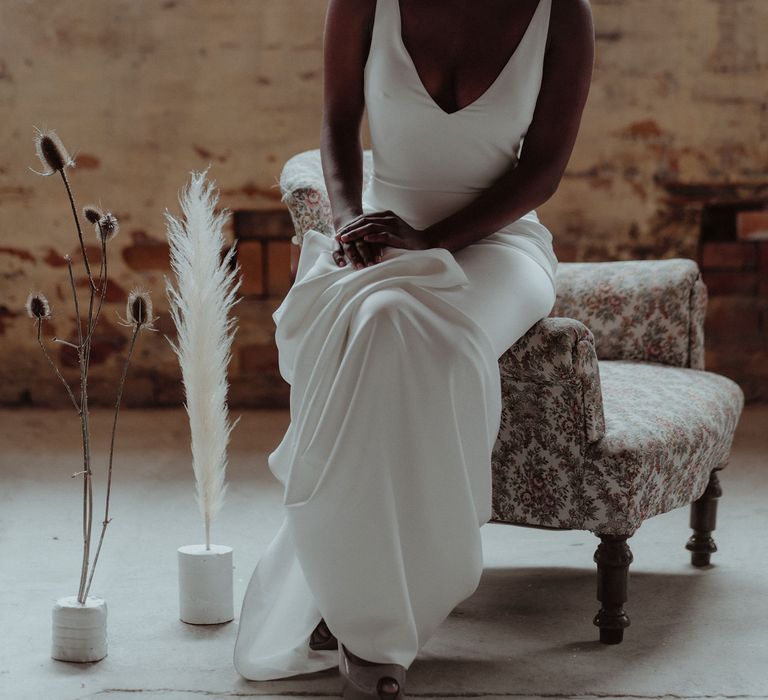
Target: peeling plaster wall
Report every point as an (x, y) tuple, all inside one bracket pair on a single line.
[(142, 92)]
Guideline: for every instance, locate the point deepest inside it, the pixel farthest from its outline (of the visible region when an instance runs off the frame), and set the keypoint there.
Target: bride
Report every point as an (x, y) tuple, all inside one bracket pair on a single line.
[(391, 333)]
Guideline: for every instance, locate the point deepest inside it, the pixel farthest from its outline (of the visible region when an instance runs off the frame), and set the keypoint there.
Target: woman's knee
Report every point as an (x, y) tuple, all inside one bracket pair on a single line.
[(380, 304)]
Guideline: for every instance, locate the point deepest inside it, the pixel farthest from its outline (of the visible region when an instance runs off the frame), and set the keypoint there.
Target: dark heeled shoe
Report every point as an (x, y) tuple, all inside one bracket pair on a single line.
[(371, 680), (322, 637)]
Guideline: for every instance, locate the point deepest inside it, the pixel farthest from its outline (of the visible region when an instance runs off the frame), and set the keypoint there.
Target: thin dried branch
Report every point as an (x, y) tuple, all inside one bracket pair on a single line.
[(53, 364), (119, 399)]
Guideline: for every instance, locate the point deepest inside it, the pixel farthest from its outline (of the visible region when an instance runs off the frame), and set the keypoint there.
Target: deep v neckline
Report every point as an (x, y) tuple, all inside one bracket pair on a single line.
[(487, 91)]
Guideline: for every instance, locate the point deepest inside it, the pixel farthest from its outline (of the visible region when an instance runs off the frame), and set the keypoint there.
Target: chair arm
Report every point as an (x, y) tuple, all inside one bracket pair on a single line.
[(556, 361), (638, 309), (309, 209), (303, 191)]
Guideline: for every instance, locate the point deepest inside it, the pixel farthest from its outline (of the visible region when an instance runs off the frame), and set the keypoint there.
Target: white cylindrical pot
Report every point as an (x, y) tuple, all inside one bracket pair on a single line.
[(205, 584), (79, 629)]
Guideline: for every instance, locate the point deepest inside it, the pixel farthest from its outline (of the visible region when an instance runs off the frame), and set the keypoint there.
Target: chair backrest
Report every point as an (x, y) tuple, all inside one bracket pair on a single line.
[(636, 309), (650, 310)]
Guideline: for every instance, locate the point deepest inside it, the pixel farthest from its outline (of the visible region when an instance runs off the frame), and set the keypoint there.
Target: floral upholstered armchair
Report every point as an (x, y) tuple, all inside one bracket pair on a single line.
[(609, 417)]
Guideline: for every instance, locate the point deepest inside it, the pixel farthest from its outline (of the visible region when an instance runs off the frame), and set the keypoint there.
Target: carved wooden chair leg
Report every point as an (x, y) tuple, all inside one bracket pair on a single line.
[(703, 519), (613, 557)]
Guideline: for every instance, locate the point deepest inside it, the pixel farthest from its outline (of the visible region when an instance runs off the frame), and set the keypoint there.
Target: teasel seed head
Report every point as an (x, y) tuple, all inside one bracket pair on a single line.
[(139, 308), (51, 152), (107, 227), (92, 213), (37, 306)]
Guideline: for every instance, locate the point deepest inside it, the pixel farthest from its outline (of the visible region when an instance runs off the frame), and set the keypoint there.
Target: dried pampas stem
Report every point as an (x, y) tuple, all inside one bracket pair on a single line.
[(199, 306)]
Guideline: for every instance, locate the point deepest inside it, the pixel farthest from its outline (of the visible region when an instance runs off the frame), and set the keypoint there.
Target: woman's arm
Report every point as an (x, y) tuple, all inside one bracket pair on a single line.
[(549, 141), (346, 43)]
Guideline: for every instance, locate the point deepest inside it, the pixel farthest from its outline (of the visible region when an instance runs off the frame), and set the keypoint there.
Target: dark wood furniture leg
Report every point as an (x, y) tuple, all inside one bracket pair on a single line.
[(703, 519), (613, 557)]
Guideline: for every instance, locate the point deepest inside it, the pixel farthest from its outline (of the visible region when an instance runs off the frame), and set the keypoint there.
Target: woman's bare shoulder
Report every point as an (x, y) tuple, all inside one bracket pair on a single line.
[(571, 24), (352, 13)]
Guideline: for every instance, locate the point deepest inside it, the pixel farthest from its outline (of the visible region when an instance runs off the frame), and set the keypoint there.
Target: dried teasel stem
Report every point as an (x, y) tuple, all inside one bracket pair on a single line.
[(85, 357), (39, 309), (107, 227), (54, 157), (79, 230), (82, 412), (87, 476), (77, 304), (119, 399), (85, 430), (63, 342), (139, 315), (55, 368), (102, 292)]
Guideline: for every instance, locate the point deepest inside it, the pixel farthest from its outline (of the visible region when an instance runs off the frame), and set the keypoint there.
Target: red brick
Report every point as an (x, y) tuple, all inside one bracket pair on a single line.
[(169, 391), (730, 282), (751, 224), (258, 358), (55, 259), (147, 256), (165, 324), (279, 266), (757, 363), (114, 292), (249, 257), (739, 255), (731, 315), (260, 224), (762, 254), (18, 252), (93, 252)]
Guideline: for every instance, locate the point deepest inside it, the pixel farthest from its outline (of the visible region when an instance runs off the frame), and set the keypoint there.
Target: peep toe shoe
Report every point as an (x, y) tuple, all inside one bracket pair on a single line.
[(377, 681)]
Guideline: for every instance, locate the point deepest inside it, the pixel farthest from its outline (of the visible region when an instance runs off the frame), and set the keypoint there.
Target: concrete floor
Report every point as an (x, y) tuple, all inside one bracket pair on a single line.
[(526, 632)]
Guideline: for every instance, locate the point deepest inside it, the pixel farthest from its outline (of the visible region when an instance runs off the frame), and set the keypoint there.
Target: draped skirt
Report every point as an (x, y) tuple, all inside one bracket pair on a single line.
[(395, 406)]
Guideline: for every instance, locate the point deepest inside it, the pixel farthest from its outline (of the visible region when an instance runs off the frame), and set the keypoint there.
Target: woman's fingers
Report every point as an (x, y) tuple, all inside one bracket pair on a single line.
[(364, 251), (338, 256), (360, 253), (362, 219), (381, 237), (358, 232), (354, 255)]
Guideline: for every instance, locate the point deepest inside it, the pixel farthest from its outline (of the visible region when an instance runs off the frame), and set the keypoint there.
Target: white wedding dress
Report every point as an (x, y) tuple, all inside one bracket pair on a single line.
[(395, 387)]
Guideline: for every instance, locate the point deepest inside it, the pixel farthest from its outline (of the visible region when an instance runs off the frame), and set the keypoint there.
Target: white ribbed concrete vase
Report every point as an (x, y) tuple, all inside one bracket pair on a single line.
[(205, 584), (79, 629)]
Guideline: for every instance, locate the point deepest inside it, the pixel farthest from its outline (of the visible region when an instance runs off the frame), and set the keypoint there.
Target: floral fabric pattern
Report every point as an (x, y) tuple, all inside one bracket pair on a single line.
[(304, 193), (638, 309)]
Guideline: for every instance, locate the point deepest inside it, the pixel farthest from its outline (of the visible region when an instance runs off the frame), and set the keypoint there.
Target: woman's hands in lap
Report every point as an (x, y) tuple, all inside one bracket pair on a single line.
[(362, 239)]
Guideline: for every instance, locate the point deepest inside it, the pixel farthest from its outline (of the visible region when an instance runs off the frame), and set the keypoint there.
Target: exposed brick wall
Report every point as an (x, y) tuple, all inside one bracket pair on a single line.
[(142, 93), (735, 271)]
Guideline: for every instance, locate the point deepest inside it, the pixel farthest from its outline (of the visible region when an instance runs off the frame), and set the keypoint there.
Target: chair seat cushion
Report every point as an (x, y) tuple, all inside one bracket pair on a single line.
[(666, 428)]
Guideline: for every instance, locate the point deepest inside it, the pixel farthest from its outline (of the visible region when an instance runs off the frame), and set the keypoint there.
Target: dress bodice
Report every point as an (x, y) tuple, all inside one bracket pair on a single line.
[(429, 161)]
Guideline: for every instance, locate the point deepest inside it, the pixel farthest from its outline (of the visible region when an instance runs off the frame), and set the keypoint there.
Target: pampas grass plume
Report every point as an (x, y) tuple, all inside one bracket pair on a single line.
[(200, 306)]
